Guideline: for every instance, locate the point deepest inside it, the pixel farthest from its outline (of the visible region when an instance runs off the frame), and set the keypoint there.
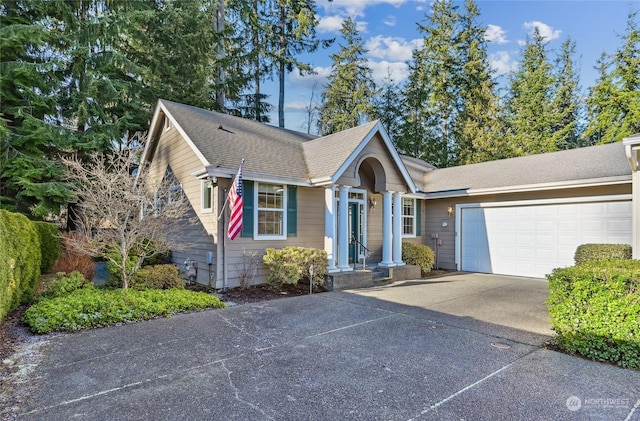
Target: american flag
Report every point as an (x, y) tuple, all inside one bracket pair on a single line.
[(235, 204)]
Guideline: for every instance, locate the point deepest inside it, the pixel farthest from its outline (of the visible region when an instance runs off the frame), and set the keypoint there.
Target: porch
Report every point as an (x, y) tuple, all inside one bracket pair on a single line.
[(370, 275)]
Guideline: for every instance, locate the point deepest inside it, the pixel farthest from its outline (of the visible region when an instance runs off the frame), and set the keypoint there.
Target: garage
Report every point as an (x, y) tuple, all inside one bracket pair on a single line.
[(531, 238)]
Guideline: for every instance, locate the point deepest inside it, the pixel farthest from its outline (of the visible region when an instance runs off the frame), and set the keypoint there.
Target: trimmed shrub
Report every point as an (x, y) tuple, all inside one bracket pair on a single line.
[(19, 261), (592, 252), (63, 284), (157, 277), (50, 244), (289, 265), (92, 307), (71, 260), (595, 310), (419, 255)]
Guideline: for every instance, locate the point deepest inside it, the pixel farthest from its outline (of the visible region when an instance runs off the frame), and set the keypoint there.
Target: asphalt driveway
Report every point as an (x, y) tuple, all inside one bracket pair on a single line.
[(411, 350)]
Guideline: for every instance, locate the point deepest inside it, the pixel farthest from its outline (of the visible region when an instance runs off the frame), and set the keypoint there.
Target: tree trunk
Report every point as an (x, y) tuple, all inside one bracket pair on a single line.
[(281, 68)]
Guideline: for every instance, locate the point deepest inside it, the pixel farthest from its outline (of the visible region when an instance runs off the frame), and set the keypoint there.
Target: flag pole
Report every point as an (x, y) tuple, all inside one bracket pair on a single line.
[(226, 200)]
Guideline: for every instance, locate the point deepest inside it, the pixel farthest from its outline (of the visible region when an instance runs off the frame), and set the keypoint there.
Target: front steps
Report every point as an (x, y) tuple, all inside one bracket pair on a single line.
[(370, 276)]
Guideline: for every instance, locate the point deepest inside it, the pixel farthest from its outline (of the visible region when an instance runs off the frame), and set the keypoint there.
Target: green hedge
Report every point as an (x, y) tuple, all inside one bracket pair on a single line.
[(417, 254), (19, 261), (50, 244), (595, 310), (289, 265), (591, 252)]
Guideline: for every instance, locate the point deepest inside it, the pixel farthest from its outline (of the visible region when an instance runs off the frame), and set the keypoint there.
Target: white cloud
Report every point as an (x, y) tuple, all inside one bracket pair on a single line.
[(296, 106), (307, 81), (330, 23), (547, 32), (391, 48), (389, 20), (382, 69), (495, 33), (502, 63)]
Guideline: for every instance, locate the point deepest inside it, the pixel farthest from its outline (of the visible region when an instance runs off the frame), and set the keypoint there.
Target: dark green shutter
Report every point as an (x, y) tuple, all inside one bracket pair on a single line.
[(292, 211), (247, 209), (418, 217)]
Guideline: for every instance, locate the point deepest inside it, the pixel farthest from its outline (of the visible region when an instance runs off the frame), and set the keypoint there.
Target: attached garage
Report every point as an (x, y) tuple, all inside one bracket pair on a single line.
[(531, 238), (526, 216)]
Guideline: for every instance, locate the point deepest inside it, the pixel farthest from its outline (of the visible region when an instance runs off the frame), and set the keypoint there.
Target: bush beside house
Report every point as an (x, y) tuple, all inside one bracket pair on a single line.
[(592, 252), (20, 260), (50, 244), (595, 310), (289, 265), (419, 255)]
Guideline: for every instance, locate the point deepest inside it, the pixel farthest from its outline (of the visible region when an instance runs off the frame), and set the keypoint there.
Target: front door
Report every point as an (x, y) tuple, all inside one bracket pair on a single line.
[(354, 231)]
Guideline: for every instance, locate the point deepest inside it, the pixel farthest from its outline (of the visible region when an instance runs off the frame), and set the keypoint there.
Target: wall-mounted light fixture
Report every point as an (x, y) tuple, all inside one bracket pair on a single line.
[(372, 203), (450, 210)]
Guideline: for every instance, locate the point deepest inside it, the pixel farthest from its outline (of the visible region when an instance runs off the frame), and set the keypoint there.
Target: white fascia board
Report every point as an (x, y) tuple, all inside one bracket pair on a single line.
[(632, 150), (595, 182), (253, 176), (152, 130), (378, 128), (186, 138)]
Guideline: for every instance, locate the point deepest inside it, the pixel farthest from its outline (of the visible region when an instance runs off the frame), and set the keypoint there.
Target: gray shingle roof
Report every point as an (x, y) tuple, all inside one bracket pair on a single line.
[(225, 140), (326, 155), (569, 166)]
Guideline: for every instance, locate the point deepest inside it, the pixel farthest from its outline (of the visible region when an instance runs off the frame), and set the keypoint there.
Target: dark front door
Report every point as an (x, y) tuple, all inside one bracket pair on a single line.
[(354, 233)]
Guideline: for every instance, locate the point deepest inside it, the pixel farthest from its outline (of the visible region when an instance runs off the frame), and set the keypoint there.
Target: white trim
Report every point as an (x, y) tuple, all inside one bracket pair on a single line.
[(592, 182), (203, 187), (517, 203), (285, 201), (378, 128), (186, 138), (414, 217)]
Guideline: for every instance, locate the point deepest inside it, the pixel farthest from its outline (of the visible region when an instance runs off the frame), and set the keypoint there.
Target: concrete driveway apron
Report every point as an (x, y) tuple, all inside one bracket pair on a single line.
[(376, 354)]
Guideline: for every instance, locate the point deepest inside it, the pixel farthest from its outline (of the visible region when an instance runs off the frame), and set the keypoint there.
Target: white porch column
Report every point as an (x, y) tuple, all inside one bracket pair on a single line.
[(387, 231), (330, 244), (632, 149), (343, 230), (397, 229)]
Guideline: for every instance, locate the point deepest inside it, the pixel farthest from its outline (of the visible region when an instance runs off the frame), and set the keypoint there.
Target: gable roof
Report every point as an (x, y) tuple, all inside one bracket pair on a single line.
[(594, 165), (222, 141)]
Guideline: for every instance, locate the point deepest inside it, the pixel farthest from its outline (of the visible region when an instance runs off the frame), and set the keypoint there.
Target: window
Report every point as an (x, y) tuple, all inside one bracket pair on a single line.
[(270, 209), (408, 217), (207, 196)]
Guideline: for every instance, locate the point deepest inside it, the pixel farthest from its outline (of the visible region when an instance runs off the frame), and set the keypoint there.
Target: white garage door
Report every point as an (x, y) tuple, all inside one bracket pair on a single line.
[(532, 240)]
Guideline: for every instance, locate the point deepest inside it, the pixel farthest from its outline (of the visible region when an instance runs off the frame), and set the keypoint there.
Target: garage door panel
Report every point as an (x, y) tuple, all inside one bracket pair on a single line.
[(533, 240)]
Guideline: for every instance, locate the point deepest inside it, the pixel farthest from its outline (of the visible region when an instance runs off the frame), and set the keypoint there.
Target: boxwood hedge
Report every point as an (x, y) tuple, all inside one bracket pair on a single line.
[(418, 254), (50, 244), (590, 252), (595, 310)]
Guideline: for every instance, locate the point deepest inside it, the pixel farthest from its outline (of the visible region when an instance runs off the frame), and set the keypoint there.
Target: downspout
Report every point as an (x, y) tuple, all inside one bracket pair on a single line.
[(632, 150)]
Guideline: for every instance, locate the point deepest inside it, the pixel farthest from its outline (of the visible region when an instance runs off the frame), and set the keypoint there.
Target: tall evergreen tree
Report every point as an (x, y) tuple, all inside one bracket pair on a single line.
[(389, 106), (479, 132), (529, 105), (614, 102), (29, 140), (566, 103), (347, 98), (297, 23)]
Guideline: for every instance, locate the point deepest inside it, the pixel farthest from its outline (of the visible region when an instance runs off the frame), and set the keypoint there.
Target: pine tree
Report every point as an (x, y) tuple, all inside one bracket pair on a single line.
[(347, 98), (29, 140), (479, 130), (566, 104), (614, 102), (529, 105), (389, 107), (296, 34)]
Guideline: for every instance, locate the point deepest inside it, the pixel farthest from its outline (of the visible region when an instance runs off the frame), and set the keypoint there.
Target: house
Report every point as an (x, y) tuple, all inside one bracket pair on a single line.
[(520, 216)]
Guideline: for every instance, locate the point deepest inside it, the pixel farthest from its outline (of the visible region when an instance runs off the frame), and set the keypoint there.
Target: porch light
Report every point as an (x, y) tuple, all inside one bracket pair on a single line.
[(450, 210), (372, 203)]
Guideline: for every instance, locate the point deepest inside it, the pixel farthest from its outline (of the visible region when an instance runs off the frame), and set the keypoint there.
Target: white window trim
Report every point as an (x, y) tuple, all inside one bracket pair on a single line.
[(414, 217), (256, 209), (203, 188)]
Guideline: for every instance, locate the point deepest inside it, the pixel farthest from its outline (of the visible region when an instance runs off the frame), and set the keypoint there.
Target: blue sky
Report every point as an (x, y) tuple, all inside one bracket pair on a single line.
[(389, 31)]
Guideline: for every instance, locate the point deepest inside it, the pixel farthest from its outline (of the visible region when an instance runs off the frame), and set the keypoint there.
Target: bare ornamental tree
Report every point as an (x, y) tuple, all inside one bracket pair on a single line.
[(124, 215)]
